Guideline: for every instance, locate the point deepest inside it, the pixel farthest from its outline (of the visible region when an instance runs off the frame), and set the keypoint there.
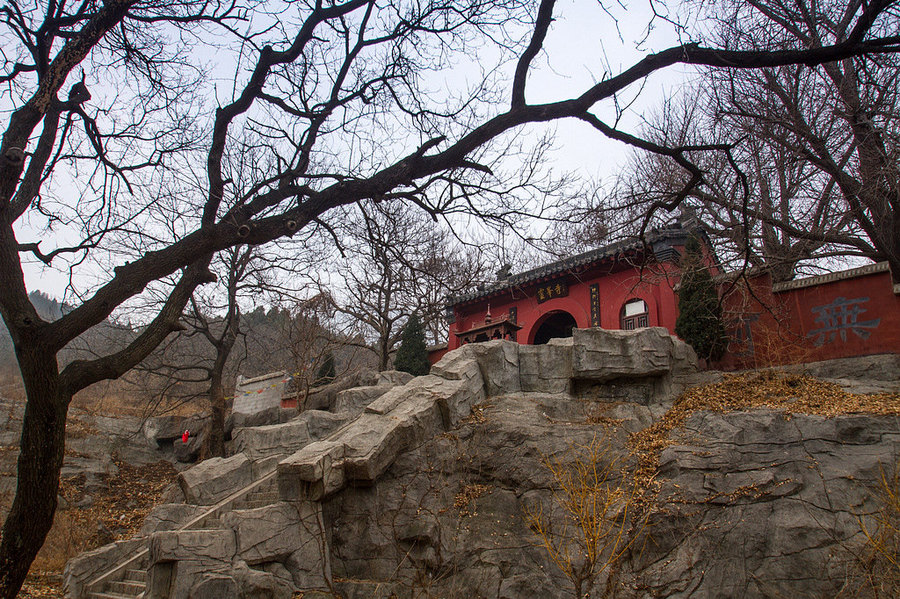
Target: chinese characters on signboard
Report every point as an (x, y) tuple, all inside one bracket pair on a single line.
[(595, 305), (838, 317), (551, 291)]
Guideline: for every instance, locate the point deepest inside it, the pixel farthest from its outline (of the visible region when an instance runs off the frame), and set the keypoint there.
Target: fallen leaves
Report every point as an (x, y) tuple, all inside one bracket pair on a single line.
[(467, 494), (790, 393), (117, 512)]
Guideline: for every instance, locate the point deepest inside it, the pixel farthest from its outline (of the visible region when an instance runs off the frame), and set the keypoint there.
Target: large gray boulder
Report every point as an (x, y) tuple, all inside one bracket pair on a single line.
[(171, 516), (265, 534), (456, 508), (215, 479), (287, 539), (324, 397), (261, 553), (393, 378), (181, 560), (263, 442), (259, 442), (214, 585), (262, 584), (313, 473), (497, 360), (270, 415), (353, 401), (399, 420), (603, 355), (646, 366), (764, 504), (160, 430), (373, 442), (546, 368)]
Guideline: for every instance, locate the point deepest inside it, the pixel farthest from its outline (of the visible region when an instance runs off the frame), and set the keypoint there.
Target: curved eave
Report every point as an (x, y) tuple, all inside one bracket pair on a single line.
[(577, 264)]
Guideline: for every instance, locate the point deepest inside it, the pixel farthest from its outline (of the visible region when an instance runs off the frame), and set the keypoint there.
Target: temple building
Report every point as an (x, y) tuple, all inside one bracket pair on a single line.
[(632, 284), (624, 285)]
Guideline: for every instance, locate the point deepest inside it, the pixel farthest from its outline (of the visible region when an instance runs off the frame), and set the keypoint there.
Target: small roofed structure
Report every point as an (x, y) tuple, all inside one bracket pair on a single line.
[(259, 393)]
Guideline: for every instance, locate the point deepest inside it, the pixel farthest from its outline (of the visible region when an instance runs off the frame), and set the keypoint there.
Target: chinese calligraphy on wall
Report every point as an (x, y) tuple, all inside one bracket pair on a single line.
[(552, 290), (838, 317), (595, 305)]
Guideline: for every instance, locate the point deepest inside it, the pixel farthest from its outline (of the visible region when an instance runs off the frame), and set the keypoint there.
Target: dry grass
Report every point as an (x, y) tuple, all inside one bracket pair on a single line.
[(599, 501), (126, 397), (877, 566), (117, 513), (478, 414), (778, 345)]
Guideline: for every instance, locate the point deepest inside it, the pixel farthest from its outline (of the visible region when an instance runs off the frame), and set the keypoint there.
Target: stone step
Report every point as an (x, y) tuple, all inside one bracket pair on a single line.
[(126, 587), (110, 595), (128, 580), (136, 575), (251, 504)]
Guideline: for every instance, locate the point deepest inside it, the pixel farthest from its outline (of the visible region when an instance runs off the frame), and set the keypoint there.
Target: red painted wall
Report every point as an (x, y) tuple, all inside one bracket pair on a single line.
[(851, 317), (854, 316), (652, 284)]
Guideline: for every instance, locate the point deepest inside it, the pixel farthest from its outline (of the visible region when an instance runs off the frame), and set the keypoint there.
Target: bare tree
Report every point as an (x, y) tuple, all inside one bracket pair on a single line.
[(840, 122), (744, 191), (318, 88), (397, 263), (810, 167), (237, 263), (313, 338)]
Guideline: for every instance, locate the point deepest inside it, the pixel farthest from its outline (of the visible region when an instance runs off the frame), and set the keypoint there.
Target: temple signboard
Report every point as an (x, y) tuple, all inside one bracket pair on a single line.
[(551, 291)]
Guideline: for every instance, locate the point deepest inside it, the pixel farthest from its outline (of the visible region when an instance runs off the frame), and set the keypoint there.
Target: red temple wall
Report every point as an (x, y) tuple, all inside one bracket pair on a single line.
[(652, 284), (846, 314), (852, 316)]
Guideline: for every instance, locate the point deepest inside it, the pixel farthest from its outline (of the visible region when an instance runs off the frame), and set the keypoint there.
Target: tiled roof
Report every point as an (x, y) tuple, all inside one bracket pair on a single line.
[(660, 240)]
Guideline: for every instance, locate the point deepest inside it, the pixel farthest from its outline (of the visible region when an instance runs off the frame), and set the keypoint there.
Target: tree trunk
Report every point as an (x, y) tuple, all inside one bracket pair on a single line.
[(214, 446), (40, 460), (384, 354)]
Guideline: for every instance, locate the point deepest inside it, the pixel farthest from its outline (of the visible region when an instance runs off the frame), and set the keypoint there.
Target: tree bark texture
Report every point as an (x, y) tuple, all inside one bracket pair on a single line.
[(40, 460)]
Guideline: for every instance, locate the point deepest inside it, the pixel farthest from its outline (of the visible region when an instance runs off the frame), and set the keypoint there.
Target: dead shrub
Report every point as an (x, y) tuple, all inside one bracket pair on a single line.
[(597, 499), (875, 569)]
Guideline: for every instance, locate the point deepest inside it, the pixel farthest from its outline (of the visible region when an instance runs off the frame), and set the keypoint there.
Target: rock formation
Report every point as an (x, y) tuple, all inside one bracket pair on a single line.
[(421, 489)]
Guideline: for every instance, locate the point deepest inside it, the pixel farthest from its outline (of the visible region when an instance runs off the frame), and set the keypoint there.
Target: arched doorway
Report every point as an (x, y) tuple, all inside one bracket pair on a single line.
[(556, 324)]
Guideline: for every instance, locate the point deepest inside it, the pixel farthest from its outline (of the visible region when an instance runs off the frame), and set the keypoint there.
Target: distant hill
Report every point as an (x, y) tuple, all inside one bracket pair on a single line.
[(271, 340), (47, 307)]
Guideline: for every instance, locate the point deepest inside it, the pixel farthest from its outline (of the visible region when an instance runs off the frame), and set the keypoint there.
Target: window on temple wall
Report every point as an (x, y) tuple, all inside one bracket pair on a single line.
[(635, 315)]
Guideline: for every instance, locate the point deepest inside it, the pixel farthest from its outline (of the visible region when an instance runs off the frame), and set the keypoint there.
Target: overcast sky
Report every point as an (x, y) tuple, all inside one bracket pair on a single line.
[(585, 44)]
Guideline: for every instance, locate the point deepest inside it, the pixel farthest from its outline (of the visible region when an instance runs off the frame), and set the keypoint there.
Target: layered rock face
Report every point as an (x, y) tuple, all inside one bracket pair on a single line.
[(750, 504), (763, 504), (422, 489)]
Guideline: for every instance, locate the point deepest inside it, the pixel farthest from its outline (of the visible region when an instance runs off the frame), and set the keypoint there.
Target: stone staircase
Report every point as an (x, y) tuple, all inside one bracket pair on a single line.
[(260, 497), (129, 579), (132, 585)]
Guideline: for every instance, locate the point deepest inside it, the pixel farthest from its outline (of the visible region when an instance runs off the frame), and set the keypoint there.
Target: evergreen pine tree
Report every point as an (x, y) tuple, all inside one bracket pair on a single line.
[(326, 372), (412, 357), (699, 320)]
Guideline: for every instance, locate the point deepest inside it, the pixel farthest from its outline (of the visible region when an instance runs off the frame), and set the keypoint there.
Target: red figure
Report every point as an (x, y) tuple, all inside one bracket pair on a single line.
[(185, 436)]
